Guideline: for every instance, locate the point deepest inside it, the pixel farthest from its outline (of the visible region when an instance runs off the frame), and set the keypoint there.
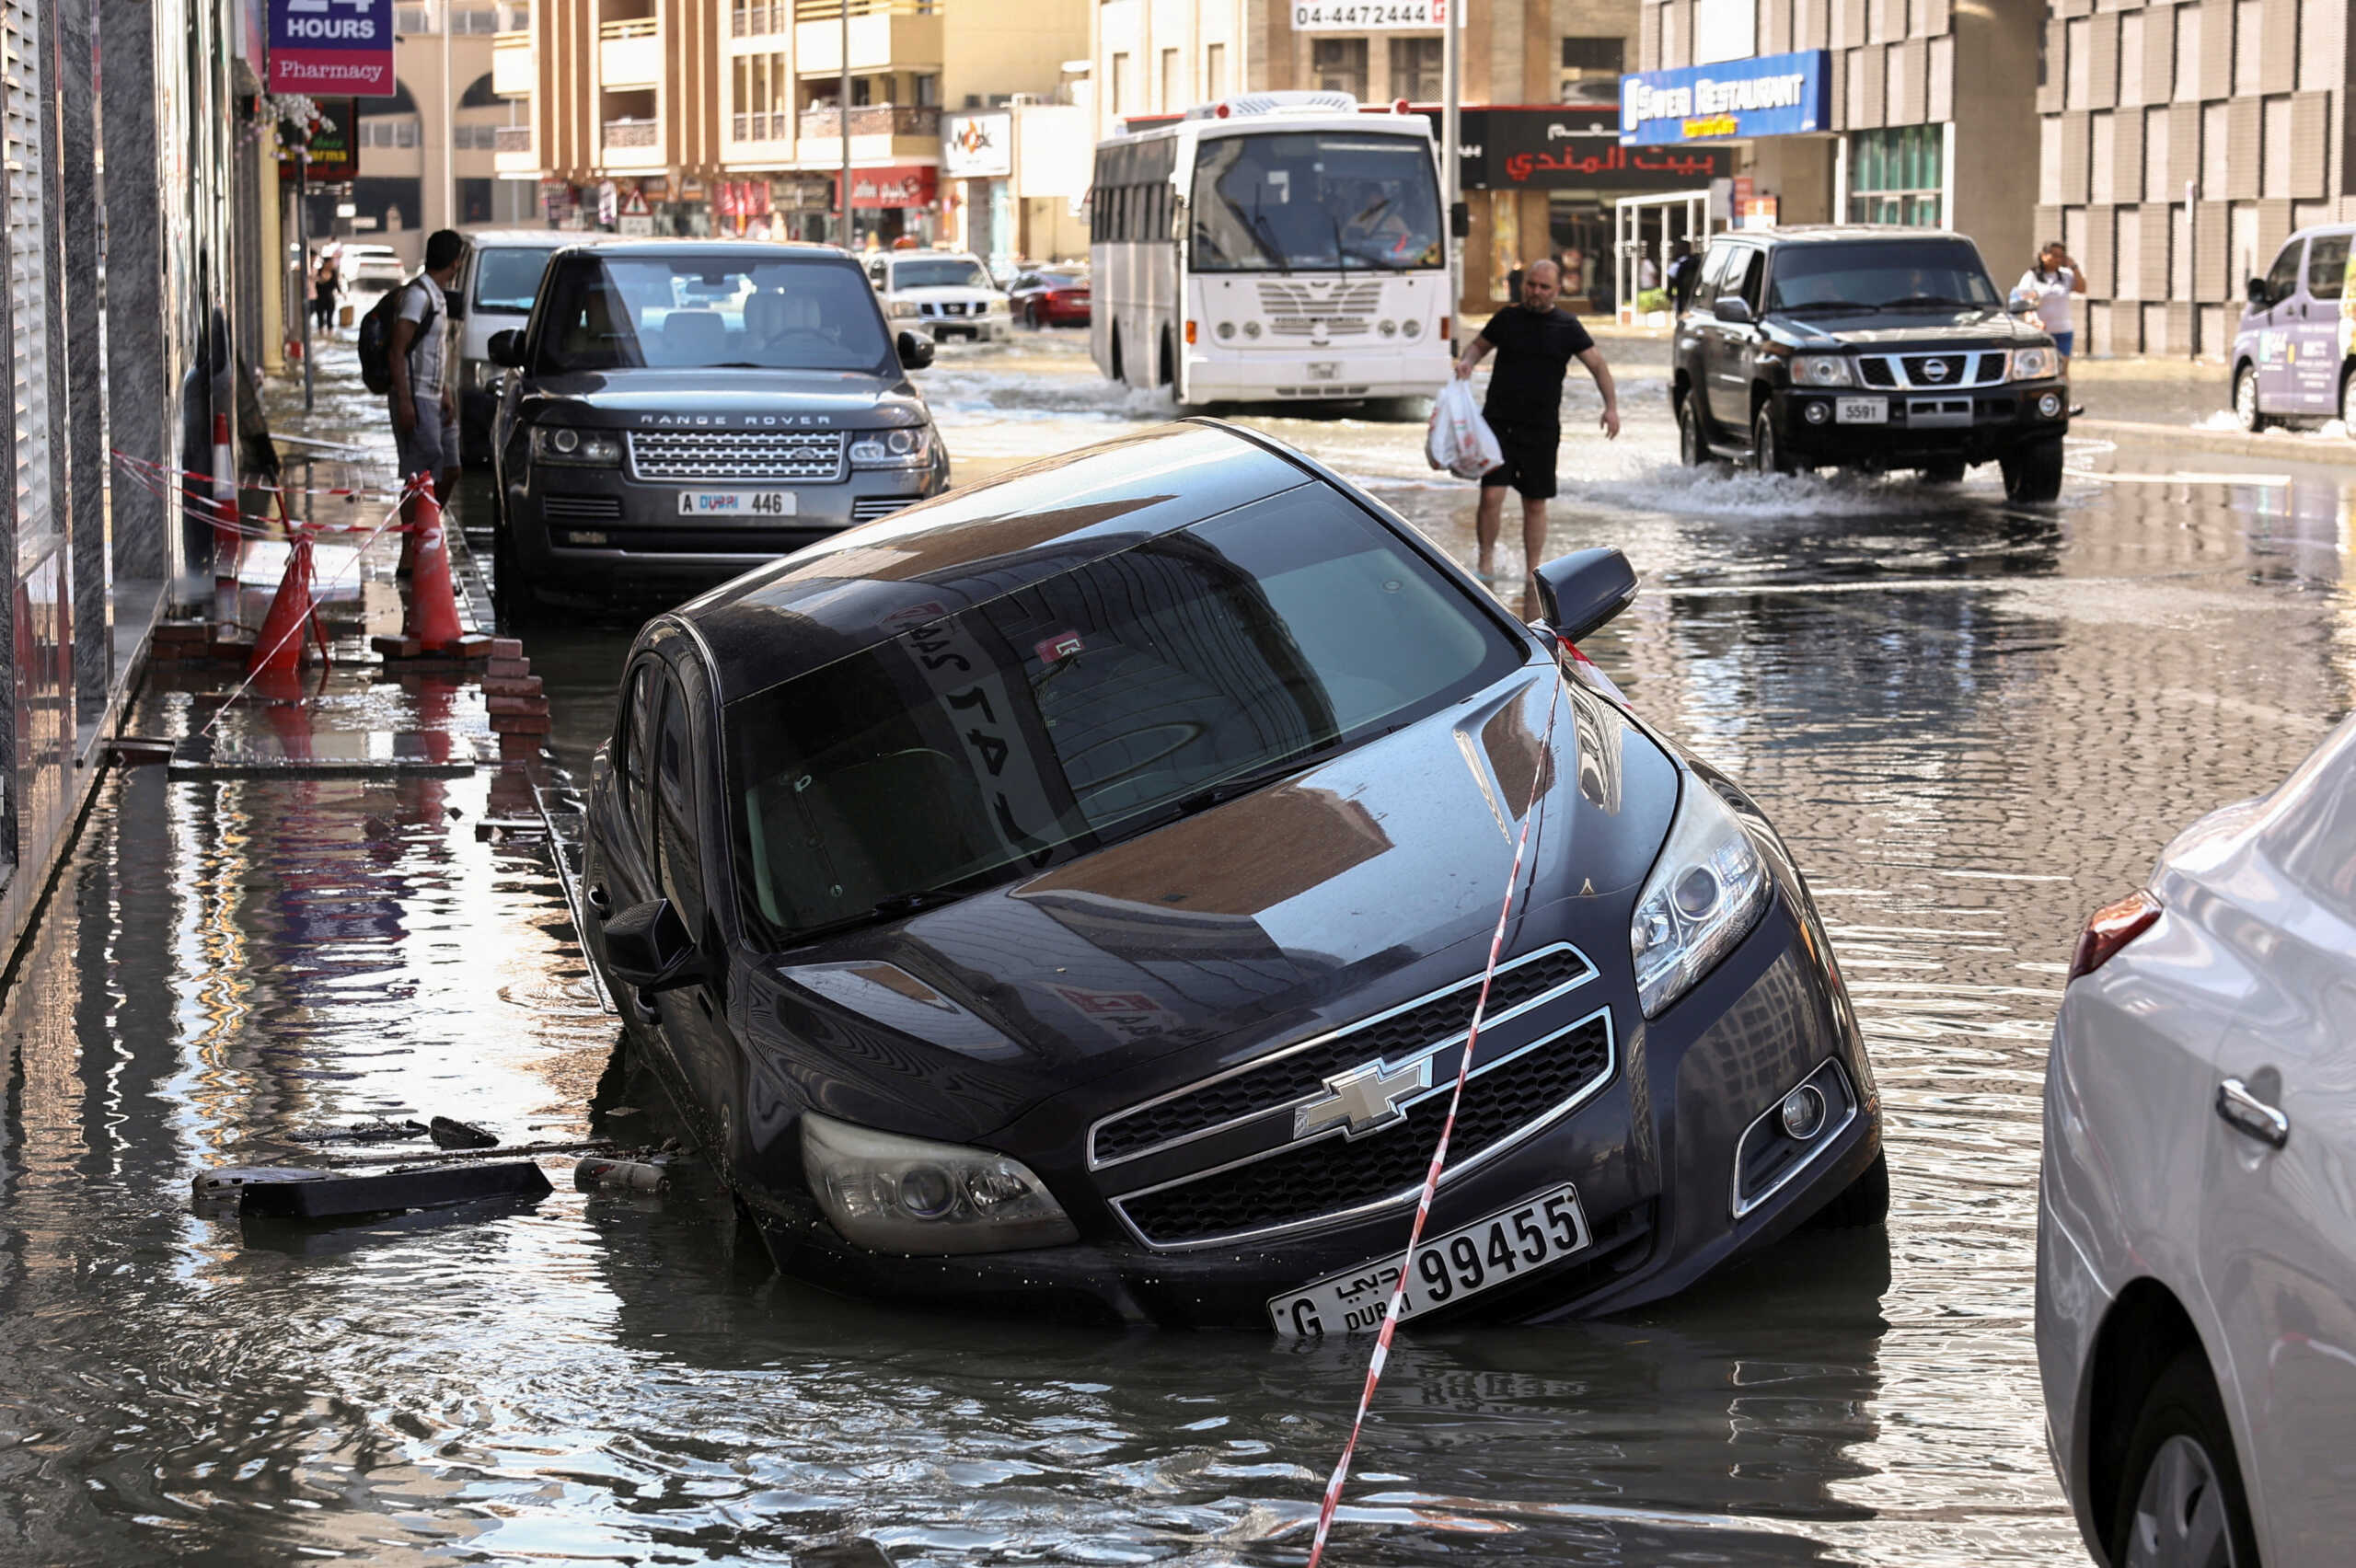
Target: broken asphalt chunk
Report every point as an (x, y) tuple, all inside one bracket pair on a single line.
[(448, 1133)]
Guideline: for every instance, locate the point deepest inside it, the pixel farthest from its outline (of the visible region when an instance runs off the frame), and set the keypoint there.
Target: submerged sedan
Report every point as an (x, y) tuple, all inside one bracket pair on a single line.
[(1071, 895)]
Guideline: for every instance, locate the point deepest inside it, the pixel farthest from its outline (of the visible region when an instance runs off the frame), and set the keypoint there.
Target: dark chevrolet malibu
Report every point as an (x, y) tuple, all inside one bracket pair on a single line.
[(1072, 894)]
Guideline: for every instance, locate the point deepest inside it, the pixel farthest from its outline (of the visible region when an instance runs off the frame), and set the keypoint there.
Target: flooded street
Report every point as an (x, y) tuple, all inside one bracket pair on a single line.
[(1973, 722)]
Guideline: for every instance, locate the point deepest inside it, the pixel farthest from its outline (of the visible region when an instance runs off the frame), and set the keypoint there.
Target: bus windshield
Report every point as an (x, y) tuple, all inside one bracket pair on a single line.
[(1330, 199)]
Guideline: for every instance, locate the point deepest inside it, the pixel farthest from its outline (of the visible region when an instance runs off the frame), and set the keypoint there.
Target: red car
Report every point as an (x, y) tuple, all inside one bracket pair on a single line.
[(1050, 299)]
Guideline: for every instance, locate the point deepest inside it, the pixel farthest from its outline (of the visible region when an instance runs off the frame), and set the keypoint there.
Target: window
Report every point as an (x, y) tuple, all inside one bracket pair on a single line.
[(633, 736), (1338, 66), (1747, 276), (677, 871), (1173, 81), (694, 311), (1350, 202), (2283, 279), (1887, 274), (507, 277), (1215, 70), (1583, 57), (1714, 266), (1417, 69), (1124, 98), (1896, 175), (2327, 266), (927, 84), (21, 201)]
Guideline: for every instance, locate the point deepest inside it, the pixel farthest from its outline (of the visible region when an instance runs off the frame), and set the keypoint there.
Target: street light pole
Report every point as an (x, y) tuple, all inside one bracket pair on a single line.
[(1450, 173), (842, 125), (303, 254)]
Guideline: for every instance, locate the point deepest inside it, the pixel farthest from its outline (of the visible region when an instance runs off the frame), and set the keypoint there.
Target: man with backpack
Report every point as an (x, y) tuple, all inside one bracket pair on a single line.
[(401, 355)]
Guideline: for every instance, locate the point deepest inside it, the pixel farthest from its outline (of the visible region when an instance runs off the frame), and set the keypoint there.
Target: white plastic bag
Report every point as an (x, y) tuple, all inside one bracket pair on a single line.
[(1459, 440)]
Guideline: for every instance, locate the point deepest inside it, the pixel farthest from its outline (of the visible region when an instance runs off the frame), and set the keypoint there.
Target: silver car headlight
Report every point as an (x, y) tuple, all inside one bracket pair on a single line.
[(891, 1194), (1822, 370), (564, 443), (1706, 892), (910, 447), (2034, 365)]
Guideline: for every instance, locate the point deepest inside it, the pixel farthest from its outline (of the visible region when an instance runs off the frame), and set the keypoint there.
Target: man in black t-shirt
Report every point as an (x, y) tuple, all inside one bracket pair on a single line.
[(1535, 343)]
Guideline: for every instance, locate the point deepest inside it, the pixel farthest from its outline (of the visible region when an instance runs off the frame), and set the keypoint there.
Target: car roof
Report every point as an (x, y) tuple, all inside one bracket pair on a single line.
[(547, 239), (869, 583), (624, 249), (1821, 234)]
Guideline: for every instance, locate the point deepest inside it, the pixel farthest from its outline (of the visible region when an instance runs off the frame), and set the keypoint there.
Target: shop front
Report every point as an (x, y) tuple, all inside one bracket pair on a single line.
[(978, 163), (895, 203)]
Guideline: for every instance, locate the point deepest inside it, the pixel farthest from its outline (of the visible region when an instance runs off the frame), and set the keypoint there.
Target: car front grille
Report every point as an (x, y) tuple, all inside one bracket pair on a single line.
[(1299, 309), (945, 308), (695, 455), (868, 508), (581, 508), (1933, 373), (1310, 1184), (1291, 1077)]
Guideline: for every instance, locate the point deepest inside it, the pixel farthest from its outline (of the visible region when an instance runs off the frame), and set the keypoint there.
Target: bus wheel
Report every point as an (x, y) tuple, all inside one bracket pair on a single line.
[(1399, 410)]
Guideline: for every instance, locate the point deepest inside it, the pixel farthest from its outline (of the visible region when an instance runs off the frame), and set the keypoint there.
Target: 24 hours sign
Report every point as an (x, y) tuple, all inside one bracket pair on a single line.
[(1370, 16)]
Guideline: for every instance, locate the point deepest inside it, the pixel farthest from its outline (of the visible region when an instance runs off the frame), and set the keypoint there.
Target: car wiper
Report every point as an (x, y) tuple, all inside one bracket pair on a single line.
[(1237, 785), (1936, 302)]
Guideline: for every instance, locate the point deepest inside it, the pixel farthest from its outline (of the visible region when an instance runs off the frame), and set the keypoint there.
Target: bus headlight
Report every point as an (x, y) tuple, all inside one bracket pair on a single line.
[(1250, 328), (1388, 329), (1412, 328), (1226, 330)]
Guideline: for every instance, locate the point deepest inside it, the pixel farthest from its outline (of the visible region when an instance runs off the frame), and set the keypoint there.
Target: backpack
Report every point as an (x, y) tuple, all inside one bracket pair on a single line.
[(376, 337)]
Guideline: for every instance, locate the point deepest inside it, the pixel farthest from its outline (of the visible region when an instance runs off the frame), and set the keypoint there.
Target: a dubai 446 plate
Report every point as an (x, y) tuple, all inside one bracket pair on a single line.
[(1511, 1242), (737, 503)]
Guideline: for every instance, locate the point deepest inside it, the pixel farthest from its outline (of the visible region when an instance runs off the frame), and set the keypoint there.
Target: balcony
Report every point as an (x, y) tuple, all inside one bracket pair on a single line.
[(513, 139), (630, 52), (631, 144), (515, 69), (873, 119), (885, 35)]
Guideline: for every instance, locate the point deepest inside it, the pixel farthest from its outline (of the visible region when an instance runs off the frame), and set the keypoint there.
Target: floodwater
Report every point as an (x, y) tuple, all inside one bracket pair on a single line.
[(1973, 722)]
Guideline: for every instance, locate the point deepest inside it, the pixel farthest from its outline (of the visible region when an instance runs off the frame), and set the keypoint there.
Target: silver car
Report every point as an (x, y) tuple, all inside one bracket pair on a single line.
[(2195, 1306)]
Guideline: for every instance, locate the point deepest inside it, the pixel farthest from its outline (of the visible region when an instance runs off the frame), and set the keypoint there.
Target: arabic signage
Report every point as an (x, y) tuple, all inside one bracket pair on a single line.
[(977, 146), (331, 46), (1574, 147), (1372, 15), (898, 185), (333, 158), (1773, 95)]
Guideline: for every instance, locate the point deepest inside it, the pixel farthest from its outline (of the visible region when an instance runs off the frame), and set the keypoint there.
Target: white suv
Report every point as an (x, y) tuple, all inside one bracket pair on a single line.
[(946, 293)]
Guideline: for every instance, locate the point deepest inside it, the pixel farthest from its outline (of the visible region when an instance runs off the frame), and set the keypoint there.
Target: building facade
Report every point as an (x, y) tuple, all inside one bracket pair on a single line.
[(1539, 80), (684, 117), (2180, 147)]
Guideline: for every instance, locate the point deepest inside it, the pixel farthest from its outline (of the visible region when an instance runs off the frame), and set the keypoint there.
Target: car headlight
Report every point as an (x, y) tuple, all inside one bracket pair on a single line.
[(1706, 892), (903, 310), (2034, 365), (1821, 370), (910, 447), (563, 443), (892, 1193)]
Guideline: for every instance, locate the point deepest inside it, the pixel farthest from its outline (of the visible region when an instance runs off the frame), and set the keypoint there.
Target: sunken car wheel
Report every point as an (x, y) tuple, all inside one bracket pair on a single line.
[(1692, 449), (2245, 400), (2180, 1499), (1767, 454), (1863, 1203), (2033, 472)]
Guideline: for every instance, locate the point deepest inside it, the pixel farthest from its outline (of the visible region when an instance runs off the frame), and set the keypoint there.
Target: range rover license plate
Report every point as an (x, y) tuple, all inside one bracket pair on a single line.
[(1324, 370), (737, 503), (1861, 410), (1487, 1252)]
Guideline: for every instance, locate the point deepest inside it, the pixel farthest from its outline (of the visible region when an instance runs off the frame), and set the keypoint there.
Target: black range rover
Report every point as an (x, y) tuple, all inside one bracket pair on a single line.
[(1867, 348), (681, 412)]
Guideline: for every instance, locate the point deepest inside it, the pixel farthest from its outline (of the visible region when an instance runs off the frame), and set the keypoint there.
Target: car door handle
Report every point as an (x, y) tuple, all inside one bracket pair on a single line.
[(600, 902), (2245, 1113)]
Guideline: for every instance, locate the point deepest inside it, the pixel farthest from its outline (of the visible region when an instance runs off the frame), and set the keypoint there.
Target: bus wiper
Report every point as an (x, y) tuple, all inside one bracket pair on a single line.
[(1262, 230)]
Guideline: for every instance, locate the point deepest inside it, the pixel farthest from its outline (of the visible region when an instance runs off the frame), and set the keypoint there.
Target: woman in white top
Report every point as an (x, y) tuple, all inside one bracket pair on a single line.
[(2046, 288)]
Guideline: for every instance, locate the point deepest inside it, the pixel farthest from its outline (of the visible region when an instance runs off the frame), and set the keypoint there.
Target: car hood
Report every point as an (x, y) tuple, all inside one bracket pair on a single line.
[(729, 400), (1349, 889), (966, 292), (1914, 329)]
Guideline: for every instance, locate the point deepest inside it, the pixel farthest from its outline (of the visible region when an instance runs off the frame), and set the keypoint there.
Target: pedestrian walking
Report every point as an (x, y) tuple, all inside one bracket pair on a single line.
[(1535, 342), (424, 405), (327, 282), (2048, 287)]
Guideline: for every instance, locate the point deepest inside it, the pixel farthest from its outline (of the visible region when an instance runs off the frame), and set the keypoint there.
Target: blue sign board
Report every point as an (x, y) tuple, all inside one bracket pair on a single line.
[(1770, 95), (332, 48)]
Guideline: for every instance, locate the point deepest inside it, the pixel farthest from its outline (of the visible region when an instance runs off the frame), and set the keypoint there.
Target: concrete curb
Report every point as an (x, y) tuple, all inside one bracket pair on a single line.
[(2283, 445)]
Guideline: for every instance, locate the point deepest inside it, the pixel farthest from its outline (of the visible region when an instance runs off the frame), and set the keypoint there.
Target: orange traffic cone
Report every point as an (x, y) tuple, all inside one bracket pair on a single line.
[(279, 650), (433, 602)]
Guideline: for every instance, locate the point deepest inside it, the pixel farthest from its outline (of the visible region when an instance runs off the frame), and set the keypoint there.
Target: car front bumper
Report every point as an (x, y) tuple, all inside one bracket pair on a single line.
[(1969, 426), (1651, 1156), (1309, 374)]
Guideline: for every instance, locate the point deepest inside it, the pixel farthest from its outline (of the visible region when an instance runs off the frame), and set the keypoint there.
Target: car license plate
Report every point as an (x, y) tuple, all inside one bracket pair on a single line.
[(1324, 370), (1861, 410), (1530, 1235), (737, 503)]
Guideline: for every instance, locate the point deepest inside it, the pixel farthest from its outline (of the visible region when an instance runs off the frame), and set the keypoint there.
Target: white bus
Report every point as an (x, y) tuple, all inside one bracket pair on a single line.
[(1272, 247)]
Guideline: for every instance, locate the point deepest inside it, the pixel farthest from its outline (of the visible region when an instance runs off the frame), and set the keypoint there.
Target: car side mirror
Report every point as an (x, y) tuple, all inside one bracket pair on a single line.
[(647, 945), (1580, 592), (2259, 298), (507, 348), (1731, 308), (915, 351)]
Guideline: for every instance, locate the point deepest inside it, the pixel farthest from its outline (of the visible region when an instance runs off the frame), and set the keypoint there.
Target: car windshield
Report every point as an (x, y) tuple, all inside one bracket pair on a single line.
[(753, 311), (939, 272), (1884, 275), (1333, 201), (1089, 708), (508, 277)]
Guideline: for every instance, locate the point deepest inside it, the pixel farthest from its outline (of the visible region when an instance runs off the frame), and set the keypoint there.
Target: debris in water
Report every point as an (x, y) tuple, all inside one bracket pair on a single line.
[(448, 1133), (320, 1194), (621, 1175)]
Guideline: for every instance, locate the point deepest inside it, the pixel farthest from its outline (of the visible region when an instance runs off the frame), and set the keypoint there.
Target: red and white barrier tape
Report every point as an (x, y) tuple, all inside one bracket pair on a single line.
[(1539, 775)]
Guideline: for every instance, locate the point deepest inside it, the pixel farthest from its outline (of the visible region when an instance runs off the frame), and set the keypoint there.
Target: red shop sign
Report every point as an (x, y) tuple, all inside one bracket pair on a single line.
[(898, 185)]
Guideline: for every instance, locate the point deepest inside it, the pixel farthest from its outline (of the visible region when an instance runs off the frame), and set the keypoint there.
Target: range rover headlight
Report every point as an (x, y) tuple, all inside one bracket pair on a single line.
[(903, 310), (1822, 370), (910, 447), (1706, 892), (2034, 365), (892, 1193), (584, 448)]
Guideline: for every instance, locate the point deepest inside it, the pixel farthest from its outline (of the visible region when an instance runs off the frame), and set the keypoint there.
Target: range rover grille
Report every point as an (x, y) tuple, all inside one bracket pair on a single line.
[(694, 455)]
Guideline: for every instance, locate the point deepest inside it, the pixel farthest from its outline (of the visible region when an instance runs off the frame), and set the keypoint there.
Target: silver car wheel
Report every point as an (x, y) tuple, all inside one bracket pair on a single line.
[(2348, 402), (2180, 1519), (2245, 399)]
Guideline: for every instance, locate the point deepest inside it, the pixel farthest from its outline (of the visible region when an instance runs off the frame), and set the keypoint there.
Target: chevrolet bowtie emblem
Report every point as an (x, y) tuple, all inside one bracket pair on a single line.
[(1363, 1100)]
